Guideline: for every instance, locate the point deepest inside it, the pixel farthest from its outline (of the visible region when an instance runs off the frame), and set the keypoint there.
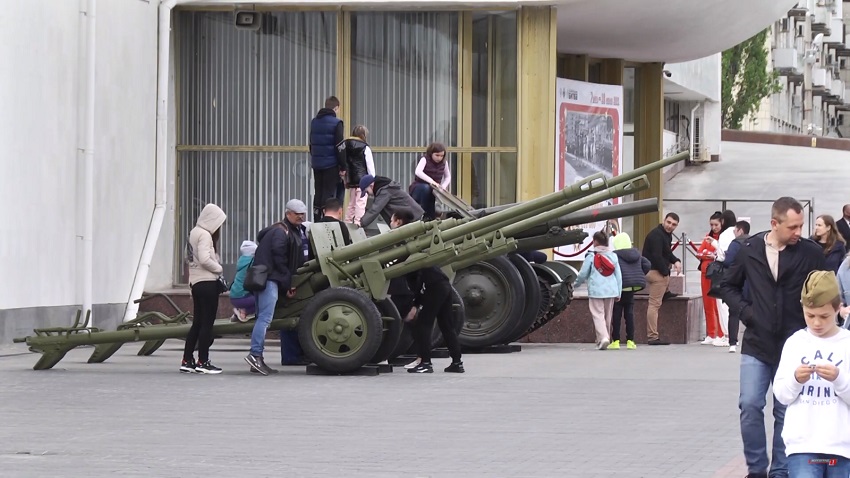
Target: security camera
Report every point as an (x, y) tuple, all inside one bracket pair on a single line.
[(667, 73)]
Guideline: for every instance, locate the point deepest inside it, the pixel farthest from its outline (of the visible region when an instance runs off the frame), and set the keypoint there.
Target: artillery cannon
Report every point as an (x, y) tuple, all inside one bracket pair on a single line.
[(507, 298), (340, 308)]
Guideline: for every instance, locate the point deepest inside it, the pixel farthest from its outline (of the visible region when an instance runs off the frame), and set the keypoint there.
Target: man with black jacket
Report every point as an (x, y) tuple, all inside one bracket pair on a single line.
[(774, 265), (843, 224), (328, 163), (281, 250), (657, 248)]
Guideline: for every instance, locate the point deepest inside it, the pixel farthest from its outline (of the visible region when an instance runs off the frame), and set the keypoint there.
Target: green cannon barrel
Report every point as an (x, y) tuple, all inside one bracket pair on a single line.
[(633, 208)]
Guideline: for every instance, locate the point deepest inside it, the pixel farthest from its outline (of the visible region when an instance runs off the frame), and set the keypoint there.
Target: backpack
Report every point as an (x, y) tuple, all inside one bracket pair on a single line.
[(602, 264)]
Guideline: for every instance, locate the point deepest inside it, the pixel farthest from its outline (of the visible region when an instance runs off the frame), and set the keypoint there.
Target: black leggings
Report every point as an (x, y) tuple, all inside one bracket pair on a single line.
[(205, 299), (437, 304)]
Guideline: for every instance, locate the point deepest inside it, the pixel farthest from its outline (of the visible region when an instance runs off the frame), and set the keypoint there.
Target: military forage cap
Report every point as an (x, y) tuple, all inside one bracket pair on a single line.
[(820, 288)]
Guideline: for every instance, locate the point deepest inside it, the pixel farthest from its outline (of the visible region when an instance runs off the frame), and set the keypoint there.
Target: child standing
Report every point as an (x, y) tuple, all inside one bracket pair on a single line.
[(243, 301), (813, 381), (601, 271), (633, 268), (358, 157)]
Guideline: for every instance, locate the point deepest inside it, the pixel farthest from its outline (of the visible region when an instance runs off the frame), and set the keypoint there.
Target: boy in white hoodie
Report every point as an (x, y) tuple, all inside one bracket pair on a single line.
[(813, 381)]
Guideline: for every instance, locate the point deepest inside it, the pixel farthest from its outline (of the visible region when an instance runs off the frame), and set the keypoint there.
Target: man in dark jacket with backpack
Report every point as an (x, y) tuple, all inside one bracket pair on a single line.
[(281, 251), (773, 265), (328, 163)]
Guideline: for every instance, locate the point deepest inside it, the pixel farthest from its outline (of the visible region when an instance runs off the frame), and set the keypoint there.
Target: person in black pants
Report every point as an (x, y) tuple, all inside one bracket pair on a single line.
[(742, 233), (327, 161), (433, 291), (204, 272), (634, 268)]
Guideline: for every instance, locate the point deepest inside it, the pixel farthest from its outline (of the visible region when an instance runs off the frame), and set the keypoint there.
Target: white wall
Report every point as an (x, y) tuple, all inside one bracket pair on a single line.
[(40, 174), (701, 76)]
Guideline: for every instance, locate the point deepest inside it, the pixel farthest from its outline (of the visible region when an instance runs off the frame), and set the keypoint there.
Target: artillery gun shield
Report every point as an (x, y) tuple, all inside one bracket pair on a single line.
[(340, 330), (494, 298)]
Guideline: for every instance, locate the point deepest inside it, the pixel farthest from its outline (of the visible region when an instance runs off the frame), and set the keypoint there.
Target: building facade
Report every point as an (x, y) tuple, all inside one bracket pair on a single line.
[(123, 118), (809, 51)]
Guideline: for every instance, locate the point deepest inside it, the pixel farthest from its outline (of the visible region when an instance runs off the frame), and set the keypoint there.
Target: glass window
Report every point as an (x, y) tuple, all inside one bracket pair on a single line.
[(494, 107), (245, 87), (404, 83)]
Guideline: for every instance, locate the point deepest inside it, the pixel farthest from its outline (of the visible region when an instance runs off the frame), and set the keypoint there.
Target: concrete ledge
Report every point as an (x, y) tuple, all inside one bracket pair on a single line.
[(678, 322), (803, 140)]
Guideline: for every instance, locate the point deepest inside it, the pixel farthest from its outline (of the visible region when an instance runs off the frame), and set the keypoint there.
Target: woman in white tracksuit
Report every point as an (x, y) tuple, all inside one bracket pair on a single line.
[(727, 235)]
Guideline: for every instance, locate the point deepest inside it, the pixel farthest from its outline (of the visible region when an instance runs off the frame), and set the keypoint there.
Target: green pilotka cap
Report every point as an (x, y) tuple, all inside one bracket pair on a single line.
[(820, 288)]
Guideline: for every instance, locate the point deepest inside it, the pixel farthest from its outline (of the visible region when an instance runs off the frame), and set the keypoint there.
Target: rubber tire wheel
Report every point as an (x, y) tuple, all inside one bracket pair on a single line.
[(392, 330), (371, 319), (458, 317), (405, 341), (533, 297), (513, 289)]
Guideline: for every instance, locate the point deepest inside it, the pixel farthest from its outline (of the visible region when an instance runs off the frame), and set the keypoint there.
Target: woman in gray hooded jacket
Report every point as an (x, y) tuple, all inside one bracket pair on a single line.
[(204, 272)]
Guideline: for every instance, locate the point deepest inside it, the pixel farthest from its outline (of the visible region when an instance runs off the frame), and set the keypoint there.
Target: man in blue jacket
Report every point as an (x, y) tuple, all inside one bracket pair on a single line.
[(328, 163)]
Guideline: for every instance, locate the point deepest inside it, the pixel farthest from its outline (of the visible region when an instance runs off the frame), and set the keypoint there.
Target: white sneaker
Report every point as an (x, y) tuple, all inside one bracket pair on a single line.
[(708, 341), (604, 344), (414, 363), (733, 349), (721, 342)]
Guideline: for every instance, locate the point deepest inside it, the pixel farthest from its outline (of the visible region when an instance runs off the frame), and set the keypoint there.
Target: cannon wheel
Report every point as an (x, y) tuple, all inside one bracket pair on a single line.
[(392, 330), (558, 290), (340, 330), (458, 317), (494, 298), (533, 298)]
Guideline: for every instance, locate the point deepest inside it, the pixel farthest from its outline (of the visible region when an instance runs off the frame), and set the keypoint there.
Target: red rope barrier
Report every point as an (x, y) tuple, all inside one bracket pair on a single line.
[(573, 255)]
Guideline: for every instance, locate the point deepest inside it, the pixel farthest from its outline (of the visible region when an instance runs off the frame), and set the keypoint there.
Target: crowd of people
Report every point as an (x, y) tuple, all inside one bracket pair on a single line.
[(266, 267), (791, 294)]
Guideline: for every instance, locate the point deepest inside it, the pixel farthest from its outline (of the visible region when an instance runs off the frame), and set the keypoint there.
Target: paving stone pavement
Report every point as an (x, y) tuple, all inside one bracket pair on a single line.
[(548, 411)]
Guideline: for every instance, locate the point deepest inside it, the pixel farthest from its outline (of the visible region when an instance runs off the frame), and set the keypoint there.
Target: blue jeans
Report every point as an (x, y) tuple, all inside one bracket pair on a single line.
[(290, 347), (266, 301), (423, 194), (823, 466), (756, 377)]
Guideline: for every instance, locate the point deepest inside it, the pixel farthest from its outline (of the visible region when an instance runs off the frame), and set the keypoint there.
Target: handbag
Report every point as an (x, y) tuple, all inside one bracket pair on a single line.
[(256, 277), (223, 286), (715, 272)]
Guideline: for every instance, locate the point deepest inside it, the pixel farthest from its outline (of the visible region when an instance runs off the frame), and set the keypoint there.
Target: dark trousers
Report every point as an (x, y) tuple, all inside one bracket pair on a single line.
[(290, 347), (437, 305), (625, 307), (205, 300), (326, 184), (733, 328), (424, 195)]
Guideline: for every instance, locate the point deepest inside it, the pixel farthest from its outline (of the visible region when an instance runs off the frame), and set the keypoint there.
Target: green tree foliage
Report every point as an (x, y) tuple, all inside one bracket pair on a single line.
[(746, 78)]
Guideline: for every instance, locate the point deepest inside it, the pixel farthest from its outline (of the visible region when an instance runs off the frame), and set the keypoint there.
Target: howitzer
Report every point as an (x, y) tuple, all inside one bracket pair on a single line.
[(502, 294), (339, 309)]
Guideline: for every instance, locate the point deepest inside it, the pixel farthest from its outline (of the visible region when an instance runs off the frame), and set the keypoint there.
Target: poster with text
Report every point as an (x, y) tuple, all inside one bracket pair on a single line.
[(589, 141)]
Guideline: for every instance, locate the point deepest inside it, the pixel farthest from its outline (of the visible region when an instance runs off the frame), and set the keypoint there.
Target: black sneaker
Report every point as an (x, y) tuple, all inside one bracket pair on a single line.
[(421, 368), (187, 366), (258, 364), (657, 342), (271, 370), (207, 367), (455, 367)]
